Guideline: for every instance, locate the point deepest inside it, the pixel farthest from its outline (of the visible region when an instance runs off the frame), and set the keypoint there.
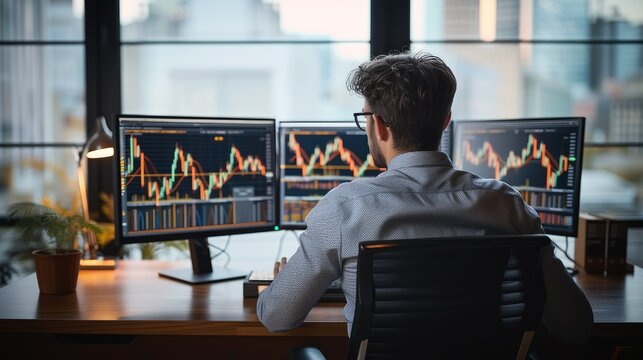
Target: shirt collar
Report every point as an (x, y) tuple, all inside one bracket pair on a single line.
[(420, 158)]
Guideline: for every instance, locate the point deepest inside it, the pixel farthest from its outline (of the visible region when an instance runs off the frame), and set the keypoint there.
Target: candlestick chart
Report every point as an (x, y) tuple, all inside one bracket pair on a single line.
[(315, 161), (539, 159), (533, 153), (194, 178), (184, 166)]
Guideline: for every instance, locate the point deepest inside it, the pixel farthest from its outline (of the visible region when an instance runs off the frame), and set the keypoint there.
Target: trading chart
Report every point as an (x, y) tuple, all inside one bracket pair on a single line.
[(316, 159), (182, 176), (539, 158)]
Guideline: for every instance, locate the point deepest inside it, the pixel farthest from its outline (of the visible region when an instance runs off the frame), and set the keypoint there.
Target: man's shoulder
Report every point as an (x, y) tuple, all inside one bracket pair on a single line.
[(493, 185), (454, 181), (350, 190)]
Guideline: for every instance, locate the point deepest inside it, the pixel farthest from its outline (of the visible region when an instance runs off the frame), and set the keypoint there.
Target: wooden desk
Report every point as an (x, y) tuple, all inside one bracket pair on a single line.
[(617, 303), (133, 305)]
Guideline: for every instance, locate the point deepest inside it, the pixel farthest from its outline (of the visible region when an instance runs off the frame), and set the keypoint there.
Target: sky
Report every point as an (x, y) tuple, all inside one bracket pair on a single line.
[(321, 17)]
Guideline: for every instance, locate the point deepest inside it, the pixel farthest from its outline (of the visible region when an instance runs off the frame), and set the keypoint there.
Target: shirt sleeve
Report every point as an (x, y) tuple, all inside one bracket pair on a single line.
[(567, 314), (315, 265), (527, 218)]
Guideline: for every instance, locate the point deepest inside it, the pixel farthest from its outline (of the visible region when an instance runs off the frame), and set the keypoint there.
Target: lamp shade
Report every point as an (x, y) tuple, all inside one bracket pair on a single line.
[(99, 144)]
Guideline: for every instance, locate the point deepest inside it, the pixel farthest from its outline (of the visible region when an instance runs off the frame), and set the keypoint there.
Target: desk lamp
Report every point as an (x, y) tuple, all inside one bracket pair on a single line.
[(98, 145)]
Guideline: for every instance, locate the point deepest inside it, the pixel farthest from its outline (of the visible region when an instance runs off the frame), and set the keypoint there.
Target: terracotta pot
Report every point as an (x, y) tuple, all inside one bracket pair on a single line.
[(57, 273)]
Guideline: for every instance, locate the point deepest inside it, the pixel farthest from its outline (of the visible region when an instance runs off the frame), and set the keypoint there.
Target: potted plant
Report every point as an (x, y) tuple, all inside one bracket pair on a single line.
[(56, 266)]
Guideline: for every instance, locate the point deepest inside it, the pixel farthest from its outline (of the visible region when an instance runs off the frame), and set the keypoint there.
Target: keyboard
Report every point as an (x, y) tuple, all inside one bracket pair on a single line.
[(256, 281)]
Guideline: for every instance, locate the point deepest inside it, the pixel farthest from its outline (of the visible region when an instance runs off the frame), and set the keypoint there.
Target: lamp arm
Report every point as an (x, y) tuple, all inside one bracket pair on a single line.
[(96, 141), (89, 236)]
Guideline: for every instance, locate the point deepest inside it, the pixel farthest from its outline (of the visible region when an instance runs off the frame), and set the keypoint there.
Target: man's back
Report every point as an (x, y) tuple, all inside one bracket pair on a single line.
[(407, 105), (420, 196)]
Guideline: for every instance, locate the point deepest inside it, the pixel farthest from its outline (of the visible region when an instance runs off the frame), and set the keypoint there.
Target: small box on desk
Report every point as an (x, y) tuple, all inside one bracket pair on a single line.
[(601, 245), (589, 251), (616, 249)]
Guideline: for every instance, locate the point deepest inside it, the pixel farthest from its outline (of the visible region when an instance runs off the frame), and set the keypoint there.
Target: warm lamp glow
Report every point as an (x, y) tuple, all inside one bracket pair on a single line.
[(99, 144), (101, 153), (488, 20), (98, 264)]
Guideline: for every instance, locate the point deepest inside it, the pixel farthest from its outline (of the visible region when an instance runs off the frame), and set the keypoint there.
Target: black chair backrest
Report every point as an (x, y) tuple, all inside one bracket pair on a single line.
[(460, 297)]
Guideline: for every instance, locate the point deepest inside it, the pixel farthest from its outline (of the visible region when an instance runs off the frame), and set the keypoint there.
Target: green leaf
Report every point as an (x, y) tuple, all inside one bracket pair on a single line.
[(37, 222)]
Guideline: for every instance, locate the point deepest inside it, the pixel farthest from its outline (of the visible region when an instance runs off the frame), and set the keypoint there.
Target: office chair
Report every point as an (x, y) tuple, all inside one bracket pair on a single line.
[(460, 297)]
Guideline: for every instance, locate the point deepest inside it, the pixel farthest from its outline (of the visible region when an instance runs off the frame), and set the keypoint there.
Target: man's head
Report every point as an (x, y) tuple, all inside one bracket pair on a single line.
[(410, 95)]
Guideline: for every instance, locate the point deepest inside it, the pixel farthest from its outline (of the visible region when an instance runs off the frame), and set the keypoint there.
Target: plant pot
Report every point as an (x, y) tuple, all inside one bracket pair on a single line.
[(57, 271)]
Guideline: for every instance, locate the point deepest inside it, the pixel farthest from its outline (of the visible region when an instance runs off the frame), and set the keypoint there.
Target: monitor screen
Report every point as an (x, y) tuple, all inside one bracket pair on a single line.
[(182, 178), (541, 158), (315, 158), (445, 141)]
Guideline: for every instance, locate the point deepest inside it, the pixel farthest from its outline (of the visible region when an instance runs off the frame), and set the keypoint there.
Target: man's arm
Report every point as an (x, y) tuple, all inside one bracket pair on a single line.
[(302, 281), (567, 315)]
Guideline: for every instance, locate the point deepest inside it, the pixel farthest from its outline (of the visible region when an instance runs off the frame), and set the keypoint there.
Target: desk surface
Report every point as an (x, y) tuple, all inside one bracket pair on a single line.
[(133, 299)]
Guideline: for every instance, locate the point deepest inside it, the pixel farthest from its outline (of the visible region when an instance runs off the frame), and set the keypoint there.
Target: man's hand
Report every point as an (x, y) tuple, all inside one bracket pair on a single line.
[(278, 266)]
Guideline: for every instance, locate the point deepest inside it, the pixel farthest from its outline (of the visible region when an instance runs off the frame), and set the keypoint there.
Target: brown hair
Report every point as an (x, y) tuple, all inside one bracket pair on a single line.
[(413, 93)]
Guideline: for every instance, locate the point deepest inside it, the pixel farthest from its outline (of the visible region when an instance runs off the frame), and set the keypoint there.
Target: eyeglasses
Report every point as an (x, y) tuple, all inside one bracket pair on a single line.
[(362, 117)]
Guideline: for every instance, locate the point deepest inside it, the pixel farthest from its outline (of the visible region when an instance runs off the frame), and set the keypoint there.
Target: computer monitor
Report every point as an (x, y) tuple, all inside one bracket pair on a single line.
[(541, 158), (191, 178), (446, 145), (316, 157)]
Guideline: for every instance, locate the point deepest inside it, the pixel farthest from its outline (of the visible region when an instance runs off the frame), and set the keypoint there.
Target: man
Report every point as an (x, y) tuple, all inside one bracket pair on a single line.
[(407, 106)]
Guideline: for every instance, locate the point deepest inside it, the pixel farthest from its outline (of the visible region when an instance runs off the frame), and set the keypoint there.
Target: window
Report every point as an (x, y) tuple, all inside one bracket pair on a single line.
[(290, 58), (540, 58), (246, 58), (42, 98), (261, 58)]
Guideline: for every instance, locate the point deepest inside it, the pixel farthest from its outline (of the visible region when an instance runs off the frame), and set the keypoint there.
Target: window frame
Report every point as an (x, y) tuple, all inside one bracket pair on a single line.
[(556, 41), (4, 219), (390, 31)]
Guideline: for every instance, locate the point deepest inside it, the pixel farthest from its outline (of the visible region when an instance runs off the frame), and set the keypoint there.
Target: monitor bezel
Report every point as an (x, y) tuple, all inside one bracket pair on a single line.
[(449, 128), (182, 235), (580, 146), (305, 124)]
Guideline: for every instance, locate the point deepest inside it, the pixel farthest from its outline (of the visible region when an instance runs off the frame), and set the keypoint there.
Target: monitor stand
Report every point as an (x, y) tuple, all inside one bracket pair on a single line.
[(201, 272)]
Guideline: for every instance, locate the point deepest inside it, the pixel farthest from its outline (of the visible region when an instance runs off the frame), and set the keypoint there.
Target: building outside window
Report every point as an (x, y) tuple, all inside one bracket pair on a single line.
[(541, 58), (42, 98), (256, 58)]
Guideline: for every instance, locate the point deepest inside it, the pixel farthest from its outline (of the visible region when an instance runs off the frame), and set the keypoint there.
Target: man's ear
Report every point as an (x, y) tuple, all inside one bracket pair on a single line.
[(381, 130), (447, 120)]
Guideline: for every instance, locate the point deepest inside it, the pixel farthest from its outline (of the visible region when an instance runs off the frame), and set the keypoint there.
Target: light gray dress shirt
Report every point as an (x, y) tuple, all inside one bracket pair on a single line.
[(420, 195)]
